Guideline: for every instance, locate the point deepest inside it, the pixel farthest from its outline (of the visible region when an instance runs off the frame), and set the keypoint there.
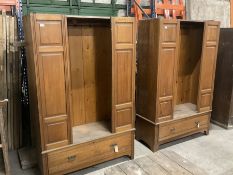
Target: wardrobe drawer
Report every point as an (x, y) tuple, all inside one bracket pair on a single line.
[(182, 126), (87, 154)]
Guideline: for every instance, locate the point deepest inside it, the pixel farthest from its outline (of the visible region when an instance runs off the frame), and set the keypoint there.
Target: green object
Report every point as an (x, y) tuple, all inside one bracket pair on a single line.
[(72, 7)]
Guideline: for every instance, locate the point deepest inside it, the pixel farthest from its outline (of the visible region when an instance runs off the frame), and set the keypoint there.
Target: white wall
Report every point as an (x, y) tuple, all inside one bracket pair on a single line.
[(209, 10)]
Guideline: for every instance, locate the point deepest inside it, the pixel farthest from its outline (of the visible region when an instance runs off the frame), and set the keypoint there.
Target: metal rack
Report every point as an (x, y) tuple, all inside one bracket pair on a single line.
[(7, 5), (73, 7), (165, 8)]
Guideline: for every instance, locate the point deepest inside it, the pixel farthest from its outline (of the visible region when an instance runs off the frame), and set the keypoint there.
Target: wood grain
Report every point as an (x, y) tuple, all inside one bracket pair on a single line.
[(116, 170), (192, 168), (223, 89), (123, 73), (77, 77), (150, 167), (3, 133), (191, 37), (208, 65), (90, 73), (132, 168), (82, 73), (161, 163), (147, 65), (174, 83), (170, 166)]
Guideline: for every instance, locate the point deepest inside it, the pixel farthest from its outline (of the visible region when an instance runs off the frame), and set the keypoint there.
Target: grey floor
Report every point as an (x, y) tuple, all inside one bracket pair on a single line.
[(213, 153)]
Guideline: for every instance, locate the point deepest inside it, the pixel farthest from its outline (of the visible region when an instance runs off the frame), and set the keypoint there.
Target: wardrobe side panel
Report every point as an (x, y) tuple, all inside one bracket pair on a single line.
[(222, 99), (147, 68), (37, 140)]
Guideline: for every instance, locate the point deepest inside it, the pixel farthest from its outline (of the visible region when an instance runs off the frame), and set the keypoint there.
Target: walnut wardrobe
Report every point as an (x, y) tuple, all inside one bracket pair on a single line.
[(175, 79), (81, 74)]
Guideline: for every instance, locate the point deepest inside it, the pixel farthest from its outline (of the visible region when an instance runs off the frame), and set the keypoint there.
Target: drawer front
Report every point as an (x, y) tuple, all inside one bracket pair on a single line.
[(183, 126), (87, 154)]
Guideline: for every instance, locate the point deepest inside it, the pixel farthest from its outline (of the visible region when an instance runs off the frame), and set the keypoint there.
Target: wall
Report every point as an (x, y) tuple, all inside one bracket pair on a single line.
[(209, 10)]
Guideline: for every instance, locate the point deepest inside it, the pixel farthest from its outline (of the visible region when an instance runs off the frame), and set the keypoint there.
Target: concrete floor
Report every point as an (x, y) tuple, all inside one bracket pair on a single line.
[(212, 153)]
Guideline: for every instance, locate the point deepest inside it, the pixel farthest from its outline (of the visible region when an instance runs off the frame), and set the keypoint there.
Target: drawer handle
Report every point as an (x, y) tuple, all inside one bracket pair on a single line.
[(71, 158), (173, 129), (115, 147), (198, 124)]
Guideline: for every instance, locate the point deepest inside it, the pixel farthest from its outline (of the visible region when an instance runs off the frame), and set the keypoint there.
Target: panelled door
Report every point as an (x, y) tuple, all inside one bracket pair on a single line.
[(208, 64), (169, 38), (53, 78), (123, 73)]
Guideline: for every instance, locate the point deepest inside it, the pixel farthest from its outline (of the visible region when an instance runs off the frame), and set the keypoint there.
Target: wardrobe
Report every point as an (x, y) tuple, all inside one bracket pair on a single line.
[(175, 79), (81, 73), (222, 114)]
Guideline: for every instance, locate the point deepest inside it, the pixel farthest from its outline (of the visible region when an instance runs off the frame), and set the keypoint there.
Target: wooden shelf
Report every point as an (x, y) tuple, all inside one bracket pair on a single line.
[(91, 131), (185, 110)]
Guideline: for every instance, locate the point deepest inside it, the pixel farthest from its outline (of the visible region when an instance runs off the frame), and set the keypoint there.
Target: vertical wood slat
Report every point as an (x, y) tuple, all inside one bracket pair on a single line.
[(231, 11), (3, 134), (10, 78), (16, 88), (3, 56)]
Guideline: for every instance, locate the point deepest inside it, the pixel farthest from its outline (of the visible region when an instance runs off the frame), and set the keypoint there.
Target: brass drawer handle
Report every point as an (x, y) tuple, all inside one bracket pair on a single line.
[(198, 124), (173, 129), (72, 158), (115, 147)]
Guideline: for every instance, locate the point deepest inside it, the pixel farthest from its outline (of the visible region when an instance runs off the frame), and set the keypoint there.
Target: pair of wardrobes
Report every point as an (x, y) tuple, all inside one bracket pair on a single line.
[(81, 83), (175, 79)]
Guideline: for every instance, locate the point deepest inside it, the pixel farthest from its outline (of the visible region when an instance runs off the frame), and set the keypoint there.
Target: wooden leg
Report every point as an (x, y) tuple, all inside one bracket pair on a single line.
[(132, 146), (206, 132), (131, 156), (155, 147)]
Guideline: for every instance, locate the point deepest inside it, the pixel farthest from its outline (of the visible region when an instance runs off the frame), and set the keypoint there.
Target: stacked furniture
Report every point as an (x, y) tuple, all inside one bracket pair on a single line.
[(81, 82), (175, 79), (223, 94)]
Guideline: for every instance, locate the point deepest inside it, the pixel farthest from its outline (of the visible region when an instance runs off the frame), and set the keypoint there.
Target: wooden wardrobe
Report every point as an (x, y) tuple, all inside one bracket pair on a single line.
[(81, 84), (223, 92), (175, 79)]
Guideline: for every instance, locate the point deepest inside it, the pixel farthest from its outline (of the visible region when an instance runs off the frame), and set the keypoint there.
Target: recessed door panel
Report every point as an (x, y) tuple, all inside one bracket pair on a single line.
[(53, 83), (166, 71), (50, 32), (123, 73), (169, 32)]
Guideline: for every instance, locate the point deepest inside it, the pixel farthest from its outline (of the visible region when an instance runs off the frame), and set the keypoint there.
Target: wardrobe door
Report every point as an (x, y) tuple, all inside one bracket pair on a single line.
[(208, 64), (168, 46), (123, 73), (52, 65)]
